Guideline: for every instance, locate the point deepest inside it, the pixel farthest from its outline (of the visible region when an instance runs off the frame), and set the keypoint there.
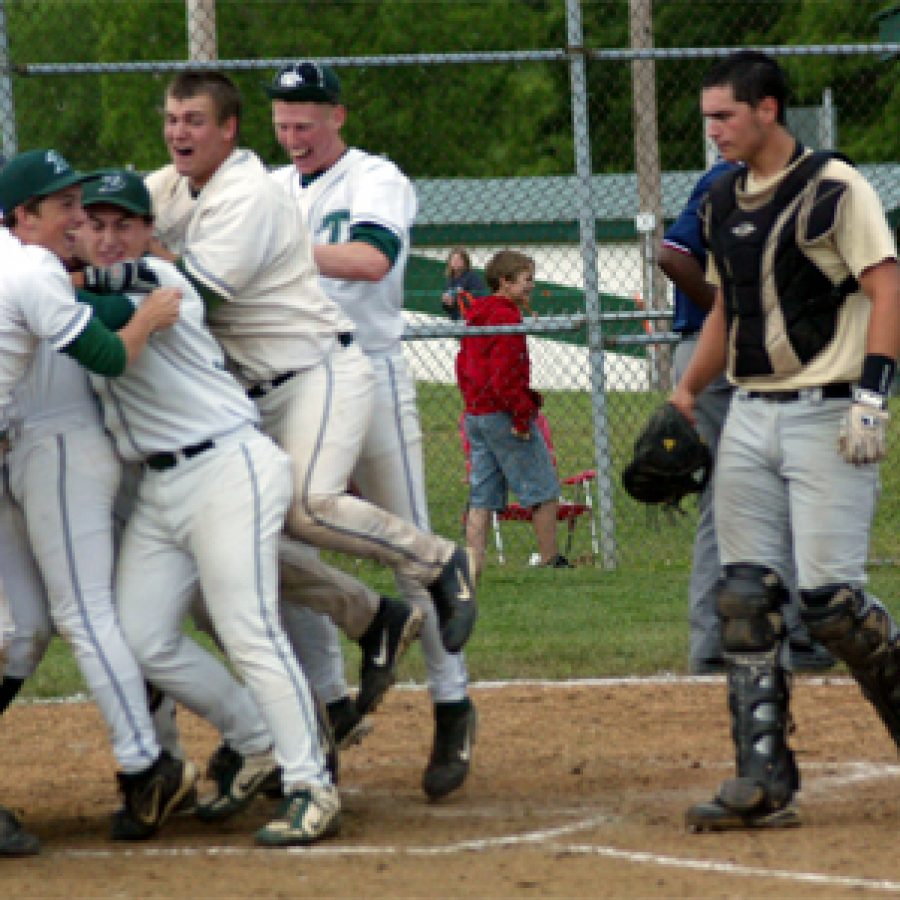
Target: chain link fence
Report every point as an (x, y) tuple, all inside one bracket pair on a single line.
[(567, 129)]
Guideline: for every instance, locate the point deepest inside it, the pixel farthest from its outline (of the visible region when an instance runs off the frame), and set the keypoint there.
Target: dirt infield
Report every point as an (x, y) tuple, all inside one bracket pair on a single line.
[(576, 791)]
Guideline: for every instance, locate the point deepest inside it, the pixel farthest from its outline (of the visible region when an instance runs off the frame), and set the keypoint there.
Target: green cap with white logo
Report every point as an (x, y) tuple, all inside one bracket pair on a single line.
[(36, 173), (118, 187)]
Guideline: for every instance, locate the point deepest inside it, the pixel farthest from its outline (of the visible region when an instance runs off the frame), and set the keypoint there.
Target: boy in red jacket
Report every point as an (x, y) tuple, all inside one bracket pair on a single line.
[(507, 450)]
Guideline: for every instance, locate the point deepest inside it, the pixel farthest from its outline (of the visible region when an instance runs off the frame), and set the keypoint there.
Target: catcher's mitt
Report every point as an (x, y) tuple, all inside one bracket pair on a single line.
[(670, 460)]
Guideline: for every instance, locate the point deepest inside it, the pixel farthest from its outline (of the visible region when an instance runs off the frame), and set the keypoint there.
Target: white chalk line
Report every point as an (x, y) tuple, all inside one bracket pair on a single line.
[(548, 839), (544, 839), (663, 678), (726, 868)]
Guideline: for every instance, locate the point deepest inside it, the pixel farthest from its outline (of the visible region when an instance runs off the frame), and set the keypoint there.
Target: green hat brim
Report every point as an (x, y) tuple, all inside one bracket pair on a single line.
[(304, 93), (53, 187)]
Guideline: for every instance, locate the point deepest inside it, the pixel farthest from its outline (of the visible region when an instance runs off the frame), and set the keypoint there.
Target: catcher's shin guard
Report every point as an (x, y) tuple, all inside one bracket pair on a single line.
[(858, 630), (749, 603)]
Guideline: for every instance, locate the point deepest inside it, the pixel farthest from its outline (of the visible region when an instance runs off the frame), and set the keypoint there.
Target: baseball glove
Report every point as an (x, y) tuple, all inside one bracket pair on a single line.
[(670, 460)]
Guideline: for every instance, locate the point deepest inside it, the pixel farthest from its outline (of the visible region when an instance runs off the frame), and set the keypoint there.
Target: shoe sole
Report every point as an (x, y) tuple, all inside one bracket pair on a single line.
[(788, 817), (456, 632), (205, 813), (356, 735), (386, 679), (287, 839)]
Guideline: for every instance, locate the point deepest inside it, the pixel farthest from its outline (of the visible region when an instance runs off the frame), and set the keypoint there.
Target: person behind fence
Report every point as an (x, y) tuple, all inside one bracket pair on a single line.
[(463, 283), (682, 257), (806, 320), (493, 372)]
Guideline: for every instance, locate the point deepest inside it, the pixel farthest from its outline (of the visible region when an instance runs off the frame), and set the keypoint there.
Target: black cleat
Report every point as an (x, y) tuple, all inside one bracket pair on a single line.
[(14, 839), (451, 753), (741, 804), (151, 796), (395, 626), (238, 780), (453, 592), (348, 725)]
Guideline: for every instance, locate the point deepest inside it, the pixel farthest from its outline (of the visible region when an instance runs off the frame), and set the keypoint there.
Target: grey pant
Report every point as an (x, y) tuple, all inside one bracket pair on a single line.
[(711, 408), (705, 642)]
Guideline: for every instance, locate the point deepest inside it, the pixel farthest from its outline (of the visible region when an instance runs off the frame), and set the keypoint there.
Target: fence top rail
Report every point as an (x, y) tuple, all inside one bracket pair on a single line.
[(541, 325), (437, 59)]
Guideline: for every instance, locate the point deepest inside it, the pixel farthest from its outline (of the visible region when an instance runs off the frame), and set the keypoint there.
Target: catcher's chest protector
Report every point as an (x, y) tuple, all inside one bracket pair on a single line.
[(767, 245)]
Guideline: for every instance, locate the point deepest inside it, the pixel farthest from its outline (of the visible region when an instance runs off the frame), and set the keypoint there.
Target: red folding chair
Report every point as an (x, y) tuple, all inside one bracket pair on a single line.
[(571, 509)]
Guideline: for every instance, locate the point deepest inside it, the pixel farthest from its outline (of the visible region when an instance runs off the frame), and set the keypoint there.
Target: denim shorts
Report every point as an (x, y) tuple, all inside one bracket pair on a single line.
[(501, 462)]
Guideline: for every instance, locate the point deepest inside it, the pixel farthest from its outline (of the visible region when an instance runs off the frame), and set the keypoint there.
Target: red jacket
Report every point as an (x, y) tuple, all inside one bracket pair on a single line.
[(493, 370)]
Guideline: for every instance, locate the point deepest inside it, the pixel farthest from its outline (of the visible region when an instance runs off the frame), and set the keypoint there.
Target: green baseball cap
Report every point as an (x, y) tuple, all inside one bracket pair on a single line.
[(118, 187), (305, 80), (36, 173)]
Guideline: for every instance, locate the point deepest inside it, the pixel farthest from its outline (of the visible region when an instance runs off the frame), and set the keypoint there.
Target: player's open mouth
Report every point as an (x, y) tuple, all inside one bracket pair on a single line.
[(300, 154)]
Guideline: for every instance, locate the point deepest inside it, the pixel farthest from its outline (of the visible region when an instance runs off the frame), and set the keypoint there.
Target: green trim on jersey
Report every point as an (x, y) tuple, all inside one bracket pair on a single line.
[(113, 310), (379, 237), (98, 349), (211, 299)]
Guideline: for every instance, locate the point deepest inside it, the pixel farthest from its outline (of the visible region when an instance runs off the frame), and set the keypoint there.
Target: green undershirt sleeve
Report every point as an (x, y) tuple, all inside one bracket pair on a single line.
[(98, 349), (211, 299), (379, 237), (113, 310)]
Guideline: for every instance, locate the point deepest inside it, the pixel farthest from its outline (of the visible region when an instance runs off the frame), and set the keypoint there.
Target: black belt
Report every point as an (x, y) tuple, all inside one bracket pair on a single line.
[(345, 339), (260, 390), (159, 462), (841, 390)]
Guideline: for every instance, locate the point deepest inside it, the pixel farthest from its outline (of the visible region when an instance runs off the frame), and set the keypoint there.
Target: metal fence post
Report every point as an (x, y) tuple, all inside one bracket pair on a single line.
[(584, 197), (201, 29), (7, 103)]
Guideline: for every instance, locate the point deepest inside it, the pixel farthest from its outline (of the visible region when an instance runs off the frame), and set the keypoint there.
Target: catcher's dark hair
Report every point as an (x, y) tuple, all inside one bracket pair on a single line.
[(506, 264), (752, 76), (217, 86)]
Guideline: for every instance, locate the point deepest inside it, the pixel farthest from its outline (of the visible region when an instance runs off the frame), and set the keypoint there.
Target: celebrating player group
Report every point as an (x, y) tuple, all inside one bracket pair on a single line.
[(202, 386), (200, 368)]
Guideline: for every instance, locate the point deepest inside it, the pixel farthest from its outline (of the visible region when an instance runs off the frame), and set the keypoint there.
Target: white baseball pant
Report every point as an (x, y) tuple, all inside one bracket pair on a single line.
[(320, 417), (215, 519), (66, 484)]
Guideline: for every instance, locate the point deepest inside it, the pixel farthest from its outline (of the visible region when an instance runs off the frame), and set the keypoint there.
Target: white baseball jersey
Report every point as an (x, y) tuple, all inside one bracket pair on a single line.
[(178, 392), (360, 188), (245, 240), (53, 397), (36, 301)]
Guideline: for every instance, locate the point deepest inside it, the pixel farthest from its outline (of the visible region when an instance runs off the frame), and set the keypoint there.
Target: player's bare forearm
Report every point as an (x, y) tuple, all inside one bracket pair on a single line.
[(881, 284), (683, 270), (353, 261), (707, 363)]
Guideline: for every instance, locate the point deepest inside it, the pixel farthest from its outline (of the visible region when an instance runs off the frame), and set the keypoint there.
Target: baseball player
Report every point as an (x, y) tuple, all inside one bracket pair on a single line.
[(291, 346), (682, 257), (41, 198), (806, 321), (210, 510), (359, 209)]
